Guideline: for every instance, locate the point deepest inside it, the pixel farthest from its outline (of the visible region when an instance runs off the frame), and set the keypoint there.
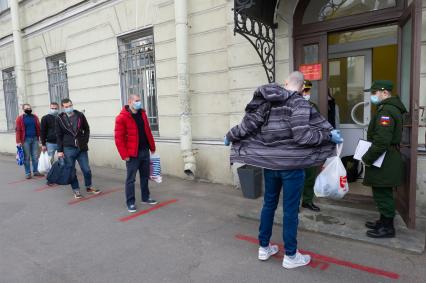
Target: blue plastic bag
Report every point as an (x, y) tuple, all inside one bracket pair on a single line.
[(19, 155)]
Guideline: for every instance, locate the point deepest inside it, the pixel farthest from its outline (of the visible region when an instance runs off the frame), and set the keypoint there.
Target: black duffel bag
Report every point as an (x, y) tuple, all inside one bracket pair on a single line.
[(60, 173)]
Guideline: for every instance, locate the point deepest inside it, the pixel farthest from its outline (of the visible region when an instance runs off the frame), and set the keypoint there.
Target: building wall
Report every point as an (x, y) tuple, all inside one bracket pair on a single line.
[(224, 71)]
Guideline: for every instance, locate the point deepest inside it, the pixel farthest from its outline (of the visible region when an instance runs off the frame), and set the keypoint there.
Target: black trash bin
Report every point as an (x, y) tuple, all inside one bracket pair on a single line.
[(250, 180)]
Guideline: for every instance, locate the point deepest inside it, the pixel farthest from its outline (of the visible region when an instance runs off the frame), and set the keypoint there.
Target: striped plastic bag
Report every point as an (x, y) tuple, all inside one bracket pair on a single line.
[(155, 169)]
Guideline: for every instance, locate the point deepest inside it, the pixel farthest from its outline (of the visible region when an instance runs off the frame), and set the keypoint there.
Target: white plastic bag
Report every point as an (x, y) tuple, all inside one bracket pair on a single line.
[(44, 163), (332, 181), (155, 169)]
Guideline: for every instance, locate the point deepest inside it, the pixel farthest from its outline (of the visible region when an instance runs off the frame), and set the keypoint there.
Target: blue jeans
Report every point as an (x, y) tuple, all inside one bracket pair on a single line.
[(31, 150), (73, 154), (51, 148), (292, 183), (135, 164)]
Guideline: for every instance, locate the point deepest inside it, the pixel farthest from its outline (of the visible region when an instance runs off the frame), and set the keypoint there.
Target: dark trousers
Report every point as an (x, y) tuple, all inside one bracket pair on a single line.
[(73, 154), (308, 188), (383, 197), (135, 164), (291, 182)]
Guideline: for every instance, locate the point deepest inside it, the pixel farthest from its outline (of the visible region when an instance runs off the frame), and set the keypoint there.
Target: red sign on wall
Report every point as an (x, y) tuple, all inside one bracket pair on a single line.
[(312, 72)]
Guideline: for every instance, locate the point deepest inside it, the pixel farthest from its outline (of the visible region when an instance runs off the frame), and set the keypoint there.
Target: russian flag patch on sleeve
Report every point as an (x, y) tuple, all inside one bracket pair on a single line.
[(385, 120)]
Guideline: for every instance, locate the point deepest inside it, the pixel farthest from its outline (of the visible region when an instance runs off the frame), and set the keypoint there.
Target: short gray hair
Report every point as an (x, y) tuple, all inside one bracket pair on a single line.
[(296, 79), (133, 95)]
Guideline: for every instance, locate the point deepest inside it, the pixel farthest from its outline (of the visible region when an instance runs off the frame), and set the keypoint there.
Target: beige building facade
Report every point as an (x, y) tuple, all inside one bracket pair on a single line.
[(224, 71), (96, 51)]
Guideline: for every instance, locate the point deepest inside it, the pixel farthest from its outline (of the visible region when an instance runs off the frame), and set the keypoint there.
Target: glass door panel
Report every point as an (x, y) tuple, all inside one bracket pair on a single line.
[(311, 56), (349, 75)]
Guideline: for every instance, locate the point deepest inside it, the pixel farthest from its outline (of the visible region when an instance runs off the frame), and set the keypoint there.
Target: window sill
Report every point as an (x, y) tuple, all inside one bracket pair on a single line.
[(4, 12)]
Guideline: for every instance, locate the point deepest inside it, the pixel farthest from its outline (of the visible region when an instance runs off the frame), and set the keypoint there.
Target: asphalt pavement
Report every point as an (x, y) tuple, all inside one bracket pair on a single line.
[(193, 235)]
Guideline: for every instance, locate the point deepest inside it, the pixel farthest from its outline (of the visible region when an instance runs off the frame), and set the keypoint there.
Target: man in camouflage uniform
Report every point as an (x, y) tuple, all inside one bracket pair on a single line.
[(384, 132)]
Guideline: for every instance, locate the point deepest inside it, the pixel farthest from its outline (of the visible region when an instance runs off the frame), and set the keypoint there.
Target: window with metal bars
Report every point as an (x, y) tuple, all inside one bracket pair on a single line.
[(57, 76), (137, 71), (10, 97)]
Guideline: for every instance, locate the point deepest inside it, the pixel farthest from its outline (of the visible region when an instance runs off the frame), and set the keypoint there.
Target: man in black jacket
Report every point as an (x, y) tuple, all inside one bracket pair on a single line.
[(47, 130), (72, 132)]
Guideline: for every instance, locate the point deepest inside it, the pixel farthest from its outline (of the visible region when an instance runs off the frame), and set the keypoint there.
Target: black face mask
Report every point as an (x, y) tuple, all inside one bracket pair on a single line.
[(28, 111)]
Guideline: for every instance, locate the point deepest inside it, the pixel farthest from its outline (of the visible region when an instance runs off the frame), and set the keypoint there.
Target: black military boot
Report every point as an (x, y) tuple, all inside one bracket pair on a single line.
[(374, 224), (310, 206), (386, 230)]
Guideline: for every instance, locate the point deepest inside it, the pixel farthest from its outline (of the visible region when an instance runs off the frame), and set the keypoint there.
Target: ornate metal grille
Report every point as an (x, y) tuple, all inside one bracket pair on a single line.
[(260, 34), (10, 97), (137, 72), (58, 78)]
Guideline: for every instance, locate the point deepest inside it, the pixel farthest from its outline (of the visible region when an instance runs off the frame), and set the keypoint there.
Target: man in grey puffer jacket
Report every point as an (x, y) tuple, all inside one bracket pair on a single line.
[(283, 134)]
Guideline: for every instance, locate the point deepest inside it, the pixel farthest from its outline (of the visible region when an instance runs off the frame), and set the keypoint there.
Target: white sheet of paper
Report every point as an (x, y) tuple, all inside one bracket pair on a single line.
[(362, 148)]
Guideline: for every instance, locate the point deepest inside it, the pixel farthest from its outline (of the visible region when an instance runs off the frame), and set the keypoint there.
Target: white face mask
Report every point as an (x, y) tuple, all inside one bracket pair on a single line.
[(307, 97)]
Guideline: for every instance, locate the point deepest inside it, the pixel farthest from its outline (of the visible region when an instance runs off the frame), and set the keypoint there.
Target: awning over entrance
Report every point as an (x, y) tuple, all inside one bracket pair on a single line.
[(255, 20)]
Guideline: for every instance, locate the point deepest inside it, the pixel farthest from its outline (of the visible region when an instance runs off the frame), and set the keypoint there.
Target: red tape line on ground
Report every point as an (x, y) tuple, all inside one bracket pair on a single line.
[(331, 260), (101, 194), (46, 187), (146, 211), (53, 186)]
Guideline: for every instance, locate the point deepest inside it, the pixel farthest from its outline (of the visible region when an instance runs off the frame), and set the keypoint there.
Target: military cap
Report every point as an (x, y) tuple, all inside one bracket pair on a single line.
[(380, 85), (307, 84)]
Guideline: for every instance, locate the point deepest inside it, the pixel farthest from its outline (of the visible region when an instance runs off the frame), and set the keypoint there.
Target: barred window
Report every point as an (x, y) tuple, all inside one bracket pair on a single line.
[(137, 71), (57, 76), (10, 97)]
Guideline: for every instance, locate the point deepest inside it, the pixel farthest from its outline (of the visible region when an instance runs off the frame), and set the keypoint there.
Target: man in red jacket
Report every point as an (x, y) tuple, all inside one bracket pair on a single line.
[(134, 141), (27, 136)]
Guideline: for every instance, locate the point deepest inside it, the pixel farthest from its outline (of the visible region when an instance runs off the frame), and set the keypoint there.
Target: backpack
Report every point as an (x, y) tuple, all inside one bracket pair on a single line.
[(353, 168), (60, 173)]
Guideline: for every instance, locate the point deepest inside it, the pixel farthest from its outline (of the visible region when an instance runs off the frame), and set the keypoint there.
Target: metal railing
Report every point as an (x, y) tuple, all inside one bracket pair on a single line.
[(10, 97), (137, 74)]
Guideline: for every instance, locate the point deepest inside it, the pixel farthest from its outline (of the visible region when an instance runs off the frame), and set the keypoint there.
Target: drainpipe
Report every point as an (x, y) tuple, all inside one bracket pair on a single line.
[(181, 22), (17, 45)]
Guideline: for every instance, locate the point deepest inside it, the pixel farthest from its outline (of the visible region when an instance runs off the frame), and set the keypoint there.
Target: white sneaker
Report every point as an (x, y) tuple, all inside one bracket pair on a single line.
[(297, 261), (266, 253)]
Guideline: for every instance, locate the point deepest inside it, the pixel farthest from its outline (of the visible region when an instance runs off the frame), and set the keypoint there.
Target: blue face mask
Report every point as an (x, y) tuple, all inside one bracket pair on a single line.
[(53, 112), (68, 110), (374, 99), (137, 105)]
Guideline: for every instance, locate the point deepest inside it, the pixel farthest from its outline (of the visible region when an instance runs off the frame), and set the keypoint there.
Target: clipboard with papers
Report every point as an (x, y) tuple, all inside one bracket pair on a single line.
[(362, 148)]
